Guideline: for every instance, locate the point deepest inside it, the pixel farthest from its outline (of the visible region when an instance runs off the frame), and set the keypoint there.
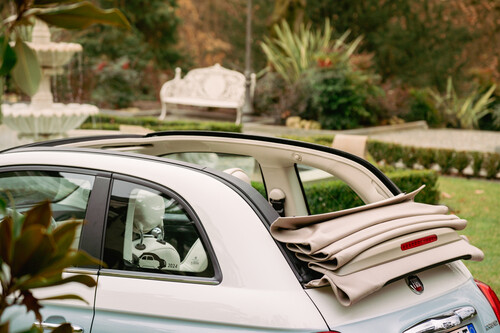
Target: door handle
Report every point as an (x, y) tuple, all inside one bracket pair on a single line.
[(52, 326), (444, 321)]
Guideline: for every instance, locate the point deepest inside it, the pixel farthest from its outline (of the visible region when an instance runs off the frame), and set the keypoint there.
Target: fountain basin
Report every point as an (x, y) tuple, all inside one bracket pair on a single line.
[(30, 121), (55, 55)]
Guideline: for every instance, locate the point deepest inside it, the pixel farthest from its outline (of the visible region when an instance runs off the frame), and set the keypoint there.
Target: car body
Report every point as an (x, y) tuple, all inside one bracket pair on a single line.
[(188, 246)]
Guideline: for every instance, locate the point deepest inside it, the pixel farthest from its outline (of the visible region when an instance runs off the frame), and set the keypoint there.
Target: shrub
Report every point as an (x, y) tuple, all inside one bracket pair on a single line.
[(336, 195), (338, 97), (102, 121), (492, 165), (445, 159), (461, 161), (477, 163), (410, 180), (116, 84), (426, 157), (422, 108), (410, 156)]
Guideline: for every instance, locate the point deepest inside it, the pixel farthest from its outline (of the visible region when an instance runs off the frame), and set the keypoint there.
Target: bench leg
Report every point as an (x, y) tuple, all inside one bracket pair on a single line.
[(163, 111), (238, 116)]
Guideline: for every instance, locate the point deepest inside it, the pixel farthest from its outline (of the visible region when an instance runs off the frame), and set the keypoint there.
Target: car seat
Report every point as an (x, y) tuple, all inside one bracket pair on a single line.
[(144, 246)]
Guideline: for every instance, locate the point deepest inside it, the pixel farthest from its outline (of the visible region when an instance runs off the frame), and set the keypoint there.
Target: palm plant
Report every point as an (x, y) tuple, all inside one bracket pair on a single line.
[(464, 112), (291, 54)]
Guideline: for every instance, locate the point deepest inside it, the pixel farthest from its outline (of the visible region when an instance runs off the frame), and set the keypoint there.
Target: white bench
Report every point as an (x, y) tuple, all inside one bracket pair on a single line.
[(214, 86)]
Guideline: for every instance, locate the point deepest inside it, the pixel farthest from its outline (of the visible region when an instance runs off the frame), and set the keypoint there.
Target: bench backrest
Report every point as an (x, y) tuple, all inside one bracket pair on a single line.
[(210, 83)]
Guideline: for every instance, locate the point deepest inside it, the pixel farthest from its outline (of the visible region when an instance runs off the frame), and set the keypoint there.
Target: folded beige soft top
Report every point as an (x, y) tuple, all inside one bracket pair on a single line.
[(361, 249)]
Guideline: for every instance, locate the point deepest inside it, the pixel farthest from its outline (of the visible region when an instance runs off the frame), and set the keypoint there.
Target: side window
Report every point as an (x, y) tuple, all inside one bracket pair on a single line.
[(324, 192), (150, 231), (226, 162), (68, 192)]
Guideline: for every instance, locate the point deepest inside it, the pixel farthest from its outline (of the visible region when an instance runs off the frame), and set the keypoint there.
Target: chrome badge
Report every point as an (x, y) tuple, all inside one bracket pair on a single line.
[(415, 284)]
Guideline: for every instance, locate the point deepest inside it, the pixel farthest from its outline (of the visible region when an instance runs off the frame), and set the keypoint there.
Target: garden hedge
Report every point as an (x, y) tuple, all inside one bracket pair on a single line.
[(108, 122), (481, 163), (335, 195)]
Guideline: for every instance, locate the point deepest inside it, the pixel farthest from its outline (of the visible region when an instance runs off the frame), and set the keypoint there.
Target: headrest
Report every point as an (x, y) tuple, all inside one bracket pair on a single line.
[(239, 173), (149, 211)]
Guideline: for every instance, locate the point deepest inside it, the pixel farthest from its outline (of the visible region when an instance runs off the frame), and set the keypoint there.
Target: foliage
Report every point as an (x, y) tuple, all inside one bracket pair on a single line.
[(148, 45), (102, 121), (323, 72), (21, 60), (416, 42), (492, 165), (338, 97), (463, 112), (422, 108), (461, 161), (213, 32), (477, 163), (116, 85), (293, 53), (274, 97), (33, 254), (335, 195), (446, 159)]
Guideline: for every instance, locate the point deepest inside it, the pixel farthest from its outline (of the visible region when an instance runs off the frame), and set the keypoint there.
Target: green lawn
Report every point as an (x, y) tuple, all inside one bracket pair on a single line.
[(477, 201)]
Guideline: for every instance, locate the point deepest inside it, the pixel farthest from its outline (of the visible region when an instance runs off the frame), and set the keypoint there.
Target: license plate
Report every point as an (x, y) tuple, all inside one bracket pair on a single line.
[(466, 329)]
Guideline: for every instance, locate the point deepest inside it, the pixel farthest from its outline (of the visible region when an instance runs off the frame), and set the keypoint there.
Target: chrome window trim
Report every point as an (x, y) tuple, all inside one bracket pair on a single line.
[(158, 276), (78, 270)]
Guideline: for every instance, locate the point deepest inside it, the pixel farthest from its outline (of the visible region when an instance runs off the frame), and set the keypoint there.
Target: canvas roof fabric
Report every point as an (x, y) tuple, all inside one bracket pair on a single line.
[(359, 250)]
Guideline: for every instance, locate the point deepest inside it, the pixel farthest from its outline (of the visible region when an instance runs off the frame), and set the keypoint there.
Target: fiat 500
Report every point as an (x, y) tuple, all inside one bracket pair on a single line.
[(220, 232)]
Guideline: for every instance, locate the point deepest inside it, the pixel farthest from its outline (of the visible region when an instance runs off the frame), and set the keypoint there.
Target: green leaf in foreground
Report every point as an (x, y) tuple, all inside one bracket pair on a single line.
[(27, 72), (7, 56), (80, 15)]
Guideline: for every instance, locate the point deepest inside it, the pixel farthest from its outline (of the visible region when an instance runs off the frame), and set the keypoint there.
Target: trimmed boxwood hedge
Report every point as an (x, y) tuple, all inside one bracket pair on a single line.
[(482, 164), (335, 195), (108, 122)]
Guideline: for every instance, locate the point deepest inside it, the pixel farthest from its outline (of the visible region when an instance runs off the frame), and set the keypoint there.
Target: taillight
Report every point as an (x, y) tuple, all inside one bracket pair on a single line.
[(491, 297)]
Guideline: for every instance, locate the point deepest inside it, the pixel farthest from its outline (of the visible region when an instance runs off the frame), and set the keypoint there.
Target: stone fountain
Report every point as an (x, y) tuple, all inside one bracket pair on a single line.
[(43, 118)]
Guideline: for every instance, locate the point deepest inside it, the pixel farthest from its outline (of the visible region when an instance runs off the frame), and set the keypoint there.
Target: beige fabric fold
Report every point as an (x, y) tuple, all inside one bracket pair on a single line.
[(339, 253), (351, 288), (329, 242)]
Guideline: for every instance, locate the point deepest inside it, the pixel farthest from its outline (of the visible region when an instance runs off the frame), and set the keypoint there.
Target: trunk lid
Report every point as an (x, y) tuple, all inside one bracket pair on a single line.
[(396, 308)]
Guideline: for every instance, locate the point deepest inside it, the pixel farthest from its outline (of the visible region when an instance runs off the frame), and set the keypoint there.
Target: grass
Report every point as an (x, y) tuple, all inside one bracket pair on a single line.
[(477, 201)]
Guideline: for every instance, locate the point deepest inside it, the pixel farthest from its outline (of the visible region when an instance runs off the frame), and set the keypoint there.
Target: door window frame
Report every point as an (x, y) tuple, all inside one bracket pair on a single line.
[(215, 280)]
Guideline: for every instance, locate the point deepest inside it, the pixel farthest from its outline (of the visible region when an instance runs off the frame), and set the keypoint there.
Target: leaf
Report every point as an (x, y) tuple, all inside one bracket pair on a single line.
[(63, 297), (57, 281), (4, 327), (3, 207), (6, 235), (63, 328), (40, 214), (31, 304), (79, 16), (33, 329), (78, 258), (27, 72), (64, 235), (7, 57), (25, 248)]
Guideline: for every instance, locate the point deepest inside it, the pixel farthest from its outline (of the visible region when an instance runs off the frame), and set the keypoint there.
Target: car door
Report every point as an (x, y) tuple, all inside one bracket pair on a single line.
[(71, 192), (197, 259)]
